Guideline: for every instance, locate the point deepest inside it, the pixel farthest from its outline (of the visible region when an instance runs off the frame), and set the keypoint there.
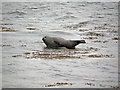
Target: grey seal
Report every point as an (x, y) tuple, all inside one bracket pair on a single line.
[(56, 42)]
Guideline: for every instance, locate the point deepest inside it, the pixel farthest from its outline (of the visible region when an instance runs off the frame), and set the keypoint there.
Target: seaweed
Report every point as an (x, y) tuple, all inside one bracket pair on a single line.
[(4, 45), (100, 56), (101, 85), (31, 28), (58, 84), (115, 38), (103, 41), (6, 29)]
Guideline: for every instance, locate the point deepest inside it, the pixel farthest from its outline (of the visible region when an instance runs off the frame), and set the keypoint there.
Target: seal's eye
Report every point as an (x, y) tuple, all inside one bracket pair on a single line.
[(45, 37)]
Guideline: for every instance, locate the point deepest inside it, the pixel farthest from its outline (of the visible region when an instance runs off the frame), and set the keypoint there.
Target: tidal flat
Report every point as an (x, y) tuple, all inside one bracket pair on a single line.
[(27, 63)]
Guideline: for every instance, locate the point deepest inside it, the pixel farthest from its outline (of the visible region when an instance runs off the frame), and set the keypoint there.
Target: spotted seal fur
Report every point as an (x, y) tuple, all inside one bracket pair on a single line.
[(56, 42)]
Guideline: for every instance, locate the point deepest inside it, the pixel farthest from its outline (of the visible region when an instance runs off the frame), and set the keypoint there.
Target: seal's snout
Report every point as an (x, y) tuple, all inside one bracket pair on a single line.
[(44, 38)]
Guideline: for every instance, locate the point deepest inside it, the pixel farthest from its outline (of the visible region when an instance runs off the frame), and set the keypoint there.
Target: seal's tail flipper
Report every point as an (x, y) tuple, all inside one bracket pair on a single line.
[(79, 41), (76, 42)]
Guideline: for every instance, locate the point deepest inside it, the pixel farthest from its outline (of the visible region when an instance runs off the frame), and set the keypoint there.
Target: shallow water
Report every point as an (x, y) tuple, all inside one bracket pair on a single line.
[(26, 61)]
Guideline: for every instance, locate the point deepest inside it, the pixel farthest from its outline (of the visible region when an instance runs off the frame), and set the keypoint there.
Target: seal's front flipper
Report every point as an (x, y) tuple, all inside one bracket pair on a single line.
[(58, 43)]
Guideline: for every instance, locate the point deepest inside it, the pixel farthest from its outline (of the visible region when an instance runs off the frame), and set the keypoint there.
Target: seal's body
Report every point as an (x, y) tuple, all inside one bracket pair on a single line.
[(56, 42)]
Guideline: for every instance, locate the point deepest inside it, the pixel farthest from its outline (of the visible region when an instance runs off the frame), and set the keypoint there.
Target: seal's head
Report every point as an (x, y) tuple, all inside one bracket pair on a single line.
[(48, 41), (44, 38)]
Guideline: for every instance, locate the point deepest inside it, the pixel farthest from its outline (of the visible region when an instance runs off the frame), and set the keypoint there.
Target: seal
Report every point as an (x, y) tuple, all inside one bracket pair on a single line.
[(56, 42)]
